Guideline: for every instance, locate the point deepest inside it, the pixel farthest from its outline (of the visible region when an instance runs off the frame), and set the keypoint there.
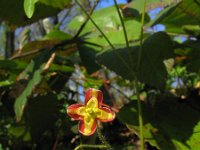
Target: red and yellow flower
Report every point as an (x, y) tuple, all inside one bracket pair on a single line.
[(91, 112)]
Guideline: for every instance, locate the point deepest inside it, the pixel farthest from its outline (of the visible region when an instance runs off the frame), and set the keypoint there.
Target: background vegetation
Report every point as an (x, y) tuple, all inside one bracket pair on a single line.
[(52, 51)]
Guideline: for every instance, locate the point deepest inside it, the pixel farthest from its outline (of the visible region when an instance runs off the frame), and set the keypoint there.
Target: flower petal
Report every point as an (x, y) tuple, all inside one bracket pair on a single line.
[(76, 111), (92, 103), (87, 126), (105, 114), (94, 93)]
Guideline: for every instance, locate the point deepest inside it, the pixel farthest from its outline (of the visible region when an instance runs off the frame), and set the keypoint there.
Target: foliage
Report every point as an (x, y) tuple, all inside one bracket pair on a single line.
[(51, 53)]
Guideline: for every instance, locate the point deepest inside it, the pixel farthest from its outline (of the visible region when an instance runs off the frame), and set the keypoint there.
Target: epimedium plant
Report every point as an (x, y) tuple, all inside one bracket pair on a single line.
[(149, 79)]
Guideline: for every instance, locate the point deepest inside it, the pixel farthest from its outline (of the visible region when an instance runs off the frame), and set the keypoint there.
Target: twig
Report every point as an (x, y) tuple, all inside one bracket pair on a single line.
[(49, 62)]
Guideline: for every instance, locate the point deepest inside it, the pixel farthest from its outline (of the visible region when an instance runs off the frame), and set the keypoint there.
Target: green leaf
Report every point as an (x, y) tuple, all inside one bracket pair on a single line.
[(16, 15), (109, 23), (29, 7), (177, 16), (10, 70), (6, 83), (168, 124), (20, 131), (151, 4), (57, 35), (33, 75), (152, 69), (16, 66), (12, 65)]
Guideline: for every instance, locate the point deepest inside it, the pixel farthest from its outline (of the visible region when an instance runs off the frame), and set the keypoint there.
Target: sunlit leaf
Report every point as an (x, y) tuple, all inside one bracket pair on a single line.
[(109, 23), (29, 7)]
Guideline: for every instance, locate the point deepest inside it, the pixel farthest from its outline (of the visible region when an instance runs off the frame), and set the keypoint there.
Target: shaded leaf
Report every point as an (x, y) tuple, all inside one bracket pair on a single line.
[(152, 69), (88, 58), (193, 57), (168, 124), (48, 41), (37, 45), (16, 15), (178, 16), (20, 131)]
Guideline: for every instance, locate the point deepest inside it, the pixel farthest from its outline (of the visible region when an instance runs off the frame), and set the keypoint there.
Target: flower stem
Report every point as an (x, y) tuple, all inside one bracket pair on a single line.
[(141, 35), (103, 139), (90, 146), (140, 118)]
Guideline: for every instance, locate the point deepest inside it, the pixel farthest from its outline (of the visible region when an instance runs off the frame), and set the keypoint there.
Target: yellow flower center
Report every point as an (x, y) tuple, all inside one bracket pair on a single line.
[(92, 112)]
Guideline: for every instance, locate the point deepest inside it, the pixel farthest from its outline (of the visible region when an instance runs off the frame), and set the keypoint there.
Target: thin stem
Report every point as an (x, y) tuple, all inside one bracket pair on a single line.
[(141, 35), (124, 30), (87, 19), (103, 139), (111, 45), (140, 119), (90, 146), (122, 22)]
